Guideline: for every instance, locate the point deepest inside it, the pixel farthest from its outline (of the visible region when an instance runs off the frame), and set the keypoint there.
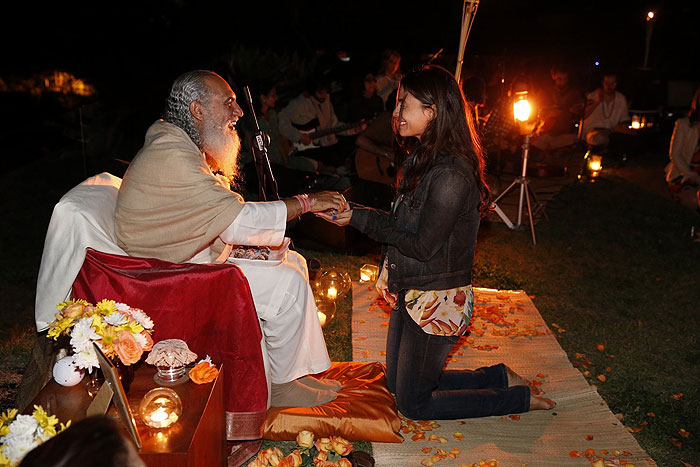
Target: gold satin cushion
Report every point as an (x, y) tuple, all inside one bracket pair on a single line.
[(364, 410)]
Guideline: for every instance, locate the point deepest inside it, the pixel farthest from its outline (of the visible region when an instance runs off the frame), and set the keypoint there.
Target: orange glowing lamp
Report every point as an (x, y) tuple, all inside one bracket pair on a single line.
[(521, 107)]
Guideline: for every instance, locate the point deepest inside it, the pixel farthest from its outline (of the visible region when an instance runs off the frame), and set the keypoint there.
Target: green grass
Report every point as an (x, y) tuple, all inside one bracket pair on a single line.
[(614, 265)]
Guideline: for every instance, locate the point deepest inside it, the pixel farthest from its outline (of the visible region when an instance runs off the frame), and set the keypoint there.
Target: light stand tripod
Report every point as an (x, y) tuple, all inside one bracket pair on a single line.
[(525, 193)]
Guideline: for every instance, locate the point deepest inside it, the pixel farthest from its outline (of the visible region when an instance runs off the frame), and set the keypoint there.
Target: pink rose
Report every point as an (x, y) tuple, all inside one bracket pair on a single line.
[(127, 349), (73, 311), (149, 341)]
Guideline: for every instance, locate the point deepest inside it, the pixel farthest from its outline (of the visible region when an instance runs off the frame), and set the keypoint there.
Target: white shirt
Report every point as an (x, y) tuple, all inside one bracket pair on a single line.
[(606, 115)]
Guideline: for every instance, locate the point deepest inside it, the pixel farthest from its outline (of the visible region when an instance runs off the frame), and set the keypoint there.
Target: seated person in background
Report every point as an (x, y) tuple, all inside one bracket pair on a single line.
[(561, 109), (175, 204), (91, 442), (289, 169), (683, 171), (389, 74), (309, 122), (366, 104), (605, 114)]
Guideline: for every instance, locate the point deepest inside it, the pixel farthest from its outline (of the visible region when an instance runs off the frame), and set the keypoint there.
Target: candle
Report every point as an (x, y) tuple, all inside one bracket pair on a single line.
[(368, 272), (332, 293), (321, 318), (160, 408)]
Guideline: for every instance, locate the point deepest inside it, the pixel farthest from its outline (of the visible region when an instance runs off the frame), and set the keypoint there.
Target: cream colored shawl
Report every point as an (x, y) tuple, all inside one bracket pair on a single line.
[(170, 205)]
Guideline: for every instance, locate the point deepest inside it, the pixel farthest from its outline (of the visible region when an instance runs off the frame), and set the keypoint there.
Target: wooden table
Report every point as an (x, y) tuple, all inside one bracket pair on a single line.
[(197, 439)]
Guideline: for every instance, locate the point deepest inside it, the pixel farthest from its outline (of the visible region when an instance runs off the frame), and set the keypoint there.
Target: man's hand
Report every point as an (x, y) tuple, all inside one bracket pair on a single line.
[(306, 139), (342, 218), (327, 200)]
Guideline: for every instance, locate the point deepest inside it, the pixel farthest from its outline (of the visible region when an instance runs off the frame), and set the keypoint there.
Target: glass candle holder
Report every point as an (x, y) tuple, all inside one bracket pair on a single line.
[(369, 273), (160, 408), (170, 374)]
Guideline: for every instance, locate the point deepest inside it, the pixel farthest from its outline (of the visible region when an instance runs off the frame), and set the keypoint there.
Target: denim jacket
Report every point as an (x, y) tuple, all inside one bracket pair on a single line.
[(430, 234)]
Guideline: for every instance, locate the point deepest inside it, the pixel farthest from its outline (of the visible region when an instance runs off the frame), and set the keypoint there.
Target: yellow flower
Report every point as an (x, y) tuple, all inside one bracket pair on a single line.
[(4, 461), (132, 326), (106, 306), (44, 420), (109, 337), (305, 439), (59, 326), (9, 415), (68, 303), (323, 444)]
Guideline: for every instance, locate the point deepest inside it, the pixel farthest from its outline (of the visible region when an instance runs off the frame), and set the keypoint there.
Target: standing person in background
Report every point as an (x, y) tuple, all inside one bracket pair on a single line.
[(389, 75), (429, 237), (683, 171)]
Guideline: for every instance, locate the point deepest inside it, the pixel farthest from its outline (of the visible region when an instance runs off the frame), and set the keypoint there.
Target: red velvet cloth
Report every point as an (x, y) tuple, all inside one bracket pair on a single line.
[(209, 306)]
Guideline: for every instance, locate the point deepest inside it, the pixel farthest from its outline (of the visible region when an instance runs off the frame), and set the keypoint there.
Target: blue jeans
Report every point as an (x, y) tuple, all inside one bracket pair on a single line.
[(414, 372)]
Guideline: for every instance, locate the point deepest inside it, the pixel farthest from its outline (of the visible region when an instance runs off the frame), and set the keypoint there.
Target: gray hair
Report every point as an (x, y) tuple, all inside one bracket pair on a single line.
[(188, 87)]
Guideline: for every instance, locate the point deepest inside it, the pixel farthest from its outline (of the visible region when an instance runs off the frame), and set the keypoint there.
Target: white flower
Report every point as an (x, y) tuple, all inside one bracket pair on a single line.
[(142, 318), (206, 359), (23, 425), (140, 339), (86, 359), (82, 335), (15, 448), (122, 307), (116, 319)]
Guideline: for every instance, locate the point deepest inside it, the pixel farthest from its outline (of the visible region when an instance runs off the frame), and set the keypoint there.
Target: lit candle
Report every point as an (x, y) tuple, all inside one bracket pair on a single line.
[(332, 293), (321, 318), (159, 416), (368, 272)]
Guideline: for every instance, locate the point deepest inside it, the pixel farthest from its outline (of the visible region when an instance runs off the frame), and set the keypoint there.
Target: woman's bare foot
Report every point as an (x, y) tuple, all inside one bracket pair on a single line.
[(541, 403), (515, 379)]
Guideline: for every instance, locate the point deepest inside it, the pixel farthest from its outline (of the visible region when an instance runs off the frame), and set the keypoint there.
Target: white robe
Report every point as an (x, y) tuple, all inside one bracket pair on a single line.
[(293, 343)]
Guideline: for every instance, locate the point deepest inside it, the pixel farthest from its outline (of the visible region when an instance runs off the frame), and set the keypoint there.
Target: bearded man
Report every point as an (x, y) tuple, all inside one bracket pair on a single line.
[(175, 204)]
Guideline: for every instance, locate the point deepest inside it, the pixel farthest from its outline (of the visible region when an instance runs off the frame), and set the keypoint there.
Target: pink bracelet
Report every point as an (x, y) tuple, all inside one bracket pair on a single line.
[(305, 201)]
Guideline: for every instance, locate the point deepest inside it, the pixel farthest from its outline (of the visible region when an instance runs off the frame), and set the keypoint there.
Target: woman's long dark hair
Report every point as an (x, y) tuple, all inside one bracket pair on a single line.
[(451, 132)]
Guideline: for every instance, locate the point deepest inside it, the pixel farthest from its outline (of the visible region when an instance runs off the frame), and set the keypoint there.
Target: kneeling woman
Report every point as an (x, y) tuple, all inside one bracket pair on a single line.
[(429, 238)]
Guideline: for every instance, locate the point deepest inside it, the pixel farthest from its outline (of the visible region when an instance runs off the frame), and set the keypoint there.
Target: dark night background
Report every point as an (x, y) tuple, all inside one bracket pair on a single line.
[(131, 51)]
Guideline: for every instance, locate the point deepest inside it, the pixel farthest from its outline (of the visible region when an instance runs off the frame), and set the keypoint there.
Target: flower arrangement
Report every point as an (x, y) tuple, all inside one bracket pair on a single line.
[(120, 331), (20, 433), (322, 452)]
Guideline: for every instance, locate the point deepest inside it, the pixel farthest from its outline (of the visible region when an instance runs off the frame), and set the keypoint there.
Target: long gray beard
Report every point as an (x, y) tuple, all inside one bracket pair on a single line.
[(221, 148)]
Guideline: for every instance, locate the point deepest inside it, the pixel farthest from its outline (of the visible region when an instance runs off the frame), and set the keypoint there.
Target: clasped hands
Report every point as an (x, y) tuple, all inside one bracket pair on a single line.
[(331, 206)]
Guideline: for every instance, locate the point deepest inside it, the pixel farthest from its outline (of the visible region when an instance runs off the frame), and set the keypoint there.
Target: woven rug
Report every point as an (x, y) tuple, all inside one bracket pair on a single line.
[(506, 328)]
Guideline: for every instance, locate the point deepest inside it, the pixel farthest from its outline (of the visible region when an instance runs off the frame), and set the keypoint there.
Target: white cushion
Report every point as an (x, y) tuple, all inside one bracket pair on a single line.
[(83, 218)]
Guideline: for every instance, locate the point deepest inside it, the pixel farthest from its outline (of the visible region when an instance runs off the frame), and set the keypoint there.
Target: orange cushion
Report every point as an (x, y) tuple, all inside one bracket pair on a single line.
[(364, 410)]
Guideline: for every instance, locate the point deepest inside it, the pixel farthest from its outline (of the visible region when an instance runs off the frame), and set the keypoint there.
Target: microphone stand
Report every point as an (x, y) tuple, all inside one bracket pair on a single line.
[(262, 161)]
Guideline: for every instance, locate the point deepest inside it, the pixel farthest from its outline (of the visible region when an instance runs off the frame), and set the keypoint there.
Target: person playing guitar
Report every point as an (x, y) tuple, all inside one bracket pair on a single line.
[(309, 122)]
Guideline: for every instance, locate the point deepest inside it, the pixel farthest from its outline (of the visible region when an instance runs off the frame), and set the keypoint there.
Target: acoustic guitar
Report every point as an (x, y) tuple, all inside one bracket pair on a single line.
[(374, 168)]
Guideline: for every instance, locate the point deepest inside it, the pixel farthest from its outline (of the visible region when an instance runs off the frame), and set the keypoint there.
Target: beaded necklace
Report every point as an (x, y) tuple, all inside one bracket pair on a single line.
[(612, 108)]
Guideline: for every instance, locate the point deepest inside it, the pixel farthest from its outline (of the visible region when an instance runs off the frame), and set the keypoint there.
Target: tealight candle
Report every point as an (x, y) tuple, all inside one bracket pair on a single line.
[(160, 408), (368, 273), (332, 293)]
